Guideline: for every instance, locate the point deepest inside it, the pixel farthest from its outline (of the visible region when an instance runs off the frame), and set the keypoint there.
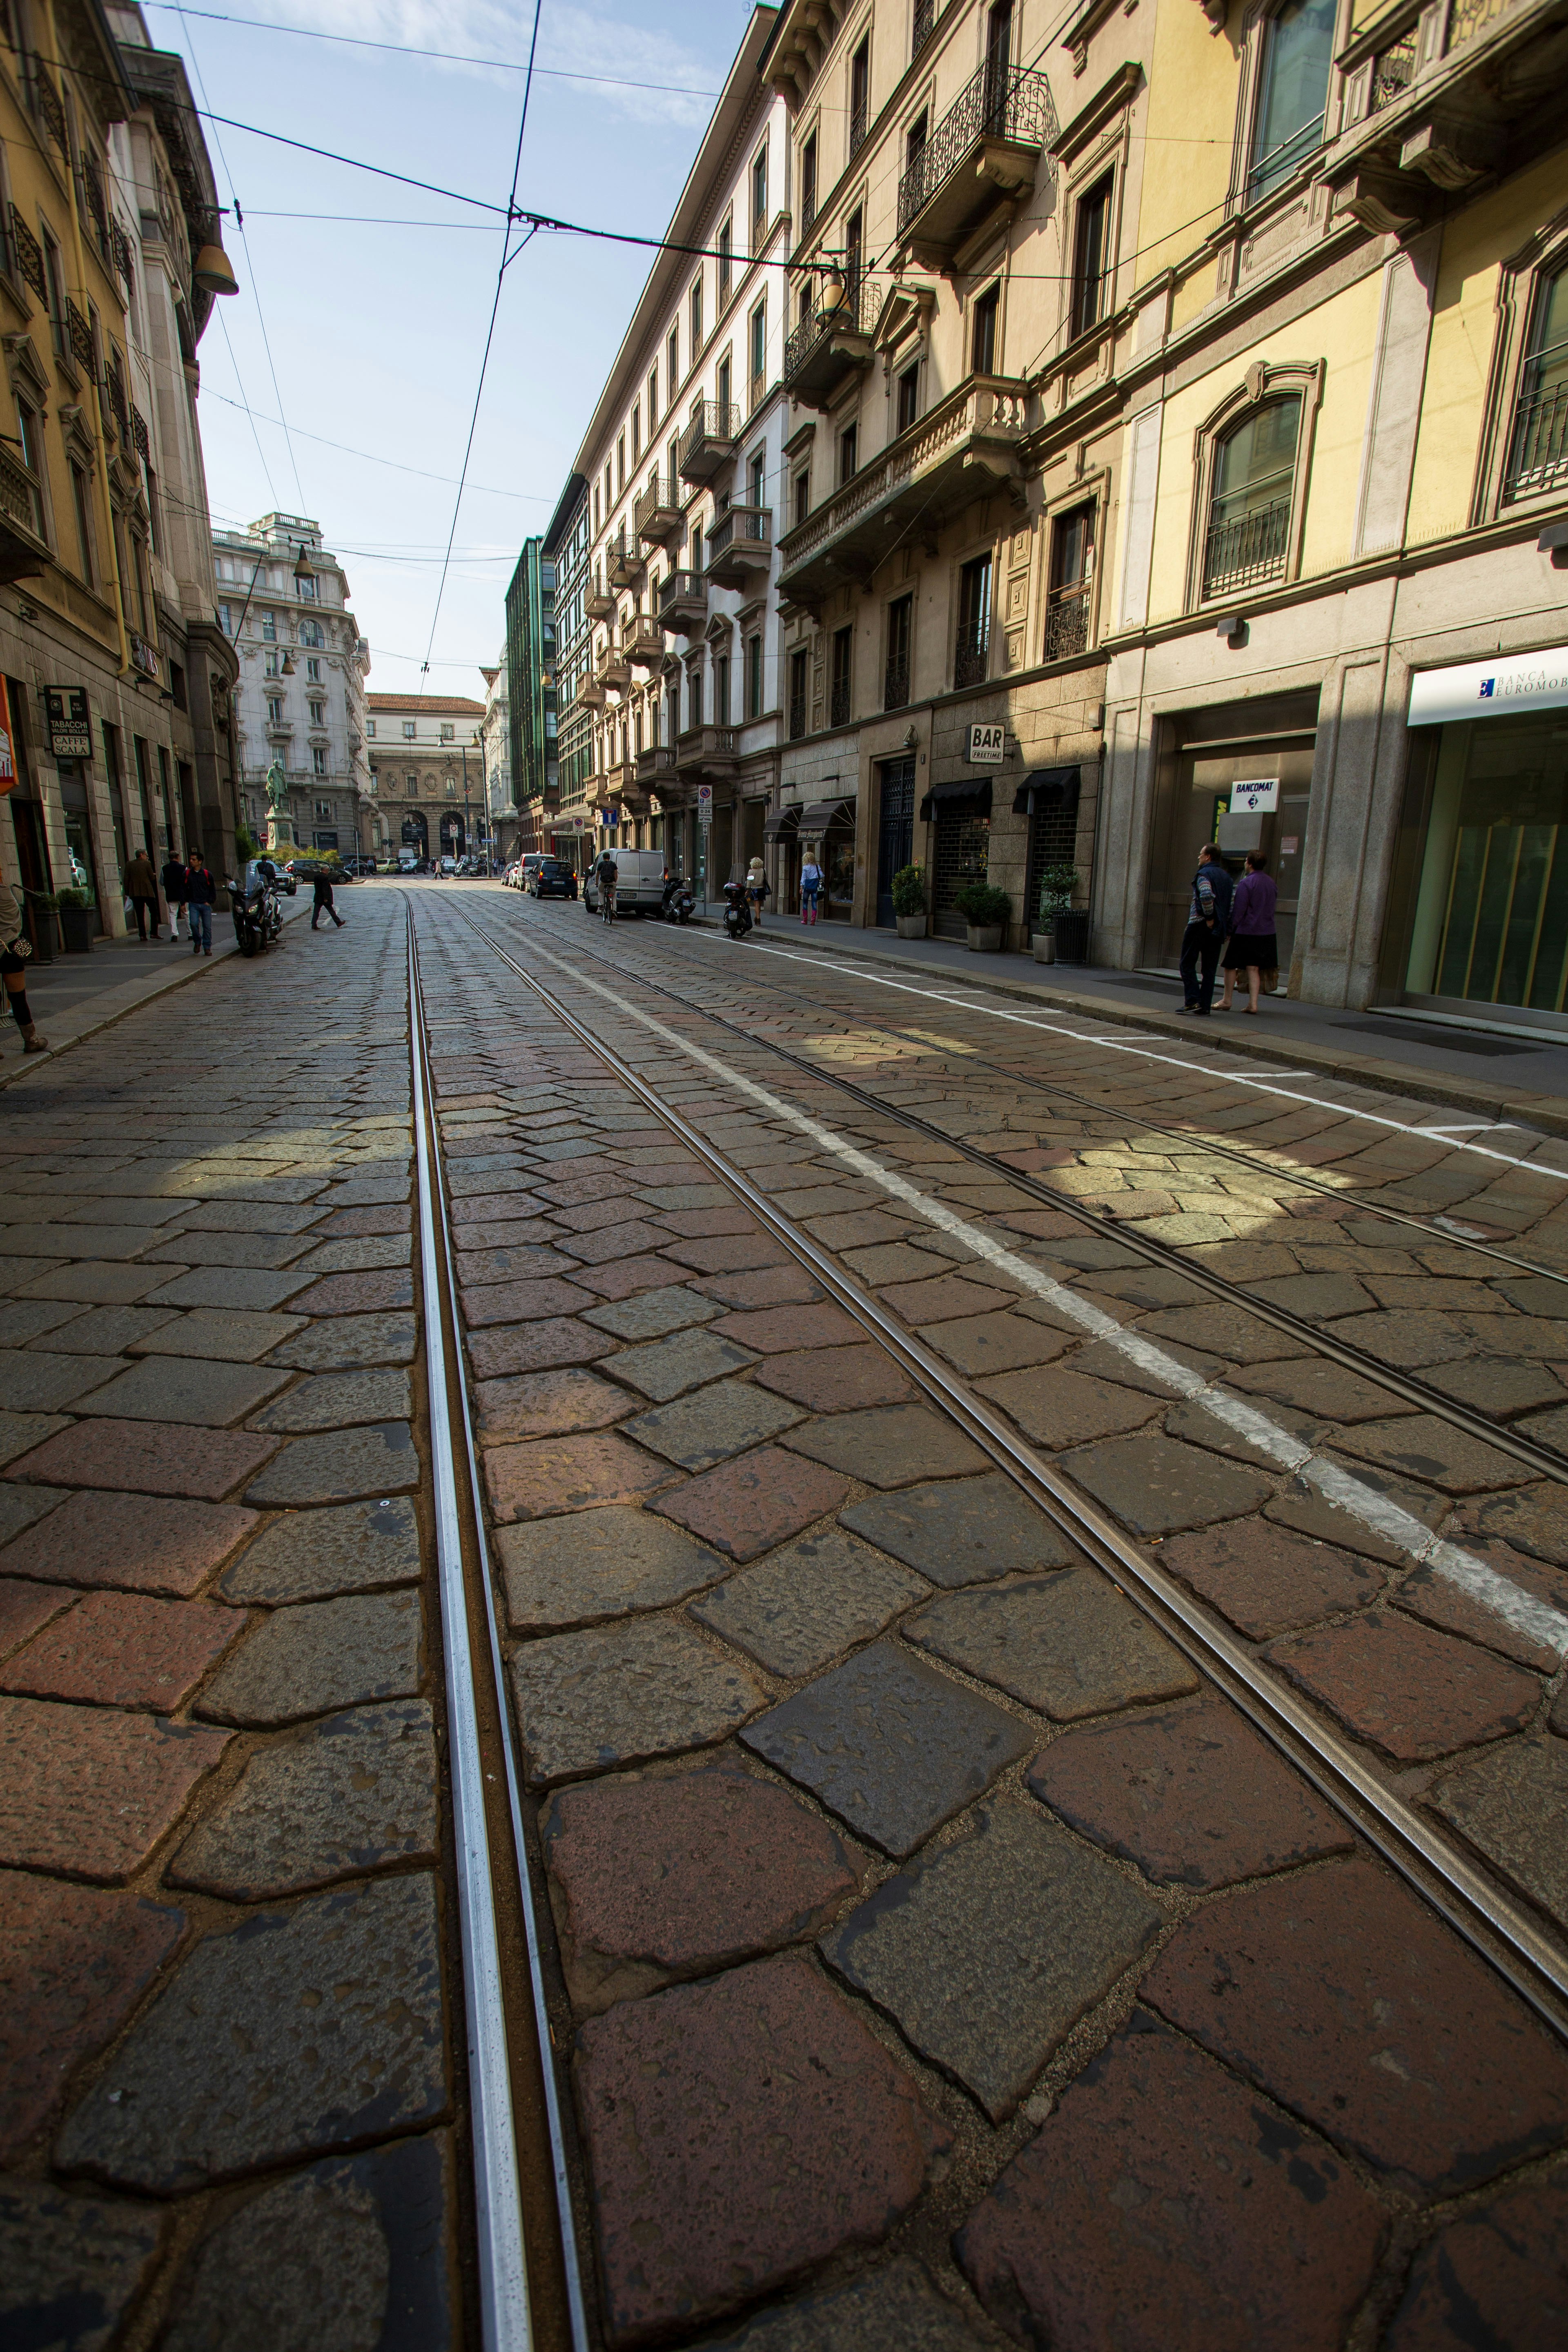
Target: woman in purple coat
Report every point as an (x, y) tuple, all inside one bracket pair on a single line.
[(1252, 947)]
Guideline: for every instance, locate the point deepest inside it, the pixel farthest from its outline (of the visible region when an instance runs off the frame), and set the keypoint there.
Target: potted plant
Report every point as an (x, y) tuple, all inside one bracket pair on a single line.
[(41, 926), (985, 910), (910, 902), (1058, 884), (76, 921)]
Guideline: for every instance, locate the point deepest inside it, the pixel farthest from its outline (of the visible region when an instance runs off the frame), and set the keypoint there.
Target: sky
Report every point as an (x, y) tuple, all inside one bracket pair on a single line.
[(340, 381)]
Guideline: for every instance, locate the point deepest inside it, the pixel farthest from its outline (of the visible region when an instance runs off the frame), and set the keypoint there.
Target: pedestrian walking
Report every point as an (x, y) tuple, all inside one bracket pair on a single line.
[(810, 888), (13, 971), (322, 902), (201, 896), (1208, 921), (142, 889), (756, 889), (173, 877), (1253, 946)]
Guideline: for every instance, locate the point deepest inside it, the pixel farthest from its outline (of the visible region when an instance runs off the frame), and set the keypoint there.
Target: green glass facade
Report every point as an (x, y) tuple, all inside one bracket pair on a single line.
[(530, 667)]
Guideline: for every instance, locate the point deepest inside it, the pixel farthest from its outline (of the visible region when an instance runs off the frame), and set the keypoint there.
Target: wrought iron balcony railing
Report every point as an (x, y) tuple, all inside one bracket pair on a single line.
[(926, 13), (1251, 548), (896, 684), (50, 109), (971, 662), (856, 315), (1393, 71), (1008, 102), (29, 255), (709, 439), (123, 260), (655, 509), (78, 338), (838, 703), (797, 714), (1538, 456), (683, 602), (19, 494), (1066, 624)]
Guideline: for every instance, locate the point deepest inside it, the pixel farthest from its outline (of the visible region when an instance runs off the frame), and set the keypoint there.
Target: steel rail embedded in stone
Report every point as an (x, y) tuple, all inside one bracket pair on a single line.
[(505, 2320), (1439, 1873), (1540, 1458), (441, 1225)]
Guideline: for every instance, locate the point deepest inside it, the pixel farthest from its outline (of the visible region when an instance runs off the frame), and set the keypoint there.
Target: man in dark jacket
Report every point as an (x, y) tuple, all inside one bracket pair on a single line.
[(142, 889), (323, 900), (1208, 924), (173, 879), (200, 894)]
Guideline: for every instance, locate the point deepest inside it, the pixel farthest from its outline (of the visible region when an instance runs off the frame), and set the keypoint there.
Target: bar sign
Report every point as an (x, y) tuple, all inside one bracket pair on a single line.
[(987, 747)]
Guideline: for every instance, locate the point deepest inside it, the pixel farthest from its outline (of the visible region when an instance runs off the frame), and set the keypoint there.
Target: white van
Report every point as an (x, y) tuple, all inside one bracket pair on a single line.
[(641, 875)]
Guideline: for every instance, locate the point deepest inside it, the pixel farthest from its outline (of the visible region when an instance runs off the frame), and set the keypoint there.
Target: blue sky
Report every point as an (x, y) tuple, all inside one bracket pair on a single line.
[(369, 332)]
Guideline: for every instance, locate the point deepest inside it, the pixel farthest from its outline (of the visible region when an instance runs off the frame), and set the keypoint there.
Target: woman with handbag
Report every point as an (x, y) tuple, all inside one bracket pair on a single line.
[(13, 970), (1253, 946)]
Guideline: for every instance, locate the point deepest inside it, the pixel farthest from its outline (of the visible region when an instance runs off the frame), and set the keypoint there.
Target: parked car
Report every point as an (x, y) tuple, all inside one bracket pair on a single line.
[(358, 865), (639, 886), (553, 878)]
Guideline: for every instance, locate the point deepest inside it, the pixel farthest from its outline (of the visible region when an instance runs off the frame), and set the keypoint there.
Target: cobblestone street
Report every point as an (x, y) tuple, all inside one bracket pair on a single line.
[(1030, 1573)]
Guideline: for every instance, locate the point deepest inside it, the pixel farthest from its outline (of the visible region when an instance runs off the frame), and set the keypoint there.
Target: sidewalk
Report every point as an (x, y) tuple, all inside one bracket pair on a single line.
[(76, 996), (1427, 1060)]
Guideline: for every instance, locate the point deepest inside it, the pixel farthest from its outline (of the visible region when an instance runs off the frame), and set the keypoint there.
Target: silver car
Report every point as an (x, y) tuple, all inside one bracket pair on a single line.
[(641, 875)]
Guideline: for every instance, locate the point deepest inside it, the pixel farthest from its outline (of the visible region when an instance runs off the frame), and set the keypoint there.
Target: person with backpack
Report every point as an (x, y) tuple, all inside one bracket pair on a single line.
[(1208, 922), (810, 886)]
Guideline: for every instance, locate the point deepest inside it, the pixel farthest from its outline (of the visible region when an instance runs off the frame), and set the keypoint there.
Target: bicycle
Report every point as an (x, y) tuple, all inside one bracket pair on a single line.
[(608, 901)]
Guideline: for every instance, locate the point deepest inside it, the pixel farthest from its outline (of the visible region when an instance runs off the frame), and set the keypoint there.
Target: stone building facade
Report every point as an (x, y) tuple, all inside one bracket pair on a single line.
[(427, 772)]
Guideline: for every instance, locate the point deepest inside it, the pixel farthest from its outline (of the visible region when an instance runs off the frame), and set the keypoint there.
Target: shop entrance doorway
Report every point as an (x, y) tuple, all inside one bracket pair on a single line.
[(1206, 755), (895, 846)]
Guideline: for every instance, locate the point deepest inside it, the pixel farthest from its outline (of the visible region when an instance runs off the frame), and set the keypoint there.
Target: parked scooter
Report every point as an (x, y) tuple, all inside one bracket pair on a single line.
[(678, 905), (737, 914), (258, 910)]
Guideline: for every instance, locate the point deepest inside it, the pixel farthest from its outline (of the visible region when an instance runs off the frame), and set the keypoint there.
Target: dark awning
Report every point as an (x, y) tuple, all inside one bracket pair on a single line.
[(973, 792), (1047, 788), (821, 813), (781, 821)]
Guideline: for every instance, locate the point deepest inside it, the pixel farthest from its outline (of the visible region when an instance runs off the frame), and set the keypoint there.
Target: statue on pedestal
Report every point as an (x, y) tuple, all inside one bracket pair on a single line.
[(280, 839)]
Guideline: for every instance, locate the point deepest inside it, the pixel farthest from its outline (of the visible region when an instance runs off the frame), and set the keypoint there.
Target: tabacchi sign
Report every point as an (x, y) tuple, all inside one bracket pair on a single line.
[(1508, 685)]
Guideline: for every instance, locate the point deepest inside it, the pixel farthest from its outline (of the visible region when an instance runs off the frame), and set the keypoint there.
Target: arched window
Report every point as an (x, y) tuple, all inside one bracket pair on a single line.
[(1538, 455), (1292, 90), (1249, 534), (310, 633)]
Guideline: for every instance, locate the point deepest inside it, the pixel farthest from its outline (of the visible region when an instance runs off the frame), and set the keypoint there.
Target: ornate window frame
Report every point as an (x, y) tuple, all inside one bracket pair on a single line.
[(1520, 280), (1091, 488), (1239, 200), (1265, 380)]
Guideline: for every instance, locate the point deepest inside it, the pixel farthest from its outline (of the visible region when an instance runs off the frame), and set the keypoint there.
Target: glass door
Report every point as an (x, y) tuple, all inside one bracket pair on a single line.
[(896, 841), (1491, 918)]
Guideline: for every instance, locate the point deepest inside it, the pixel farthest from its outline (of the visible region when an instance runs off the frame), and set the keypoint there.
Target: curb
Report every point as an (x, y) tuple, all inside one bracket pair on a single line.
[(133, 993), (1546, 1113)]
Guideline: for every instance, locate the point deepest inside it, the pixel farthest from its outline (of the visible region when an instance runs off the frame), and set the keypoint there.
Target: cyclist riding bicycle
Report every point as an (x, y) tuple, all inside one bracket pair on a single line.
[(606, 872)]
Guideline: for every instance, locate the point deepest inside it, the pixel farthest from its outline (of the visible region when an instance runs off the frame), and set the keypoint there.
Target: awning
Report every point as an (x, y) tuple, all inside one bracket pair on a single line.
[(1048, 788), (973, 792), (781, 821), (821, 813)]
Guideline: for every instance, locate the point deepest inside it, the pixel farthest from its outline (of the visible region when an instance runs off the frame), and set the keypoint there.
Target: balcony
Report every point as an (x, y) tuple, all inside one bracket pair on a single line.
[(683, 603), (709, 442), (827, 345), (962, 450), (598, 605), (1250, 548), (22, 548), (656, 767), (656, 512), (612, 667), (1538, 456), (987, 145), (590, 691), (642, 641), (145, 659), (1066, 624), (740, 542), (623, 564), (711, 753)]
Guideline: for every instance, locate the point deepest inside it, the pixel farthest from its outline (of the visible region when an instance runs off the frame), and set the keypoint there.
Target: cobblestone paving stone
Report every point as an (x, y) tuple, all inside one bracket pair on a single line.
[(847, 1857)]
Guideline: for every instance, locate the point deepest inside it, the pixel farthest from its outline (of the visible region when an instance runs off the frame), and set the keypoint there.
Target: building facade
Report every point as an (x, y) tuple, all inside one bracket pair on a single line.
[(1180, 398), (427, 772), (283, 604), (117, 676), (531, 662), (502, 841), (568, 824), (671, 713)]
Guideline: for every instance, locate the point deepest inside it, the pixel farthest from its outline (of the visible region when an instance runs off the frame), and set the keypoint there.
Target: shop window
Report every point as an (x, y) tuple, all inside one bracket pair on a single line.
[(1292, 91), (1491, 922), (970, 654), (1071, 580), (1537, 446), (1091, 257)]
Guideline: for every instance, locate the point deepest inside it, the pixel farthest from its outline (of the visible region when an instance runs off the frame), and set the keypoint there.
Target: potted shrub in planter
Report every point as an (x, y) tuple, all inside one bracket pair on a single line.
[(910, 902), (1058, 884), (41, 905), (76, 921), (985, 910)]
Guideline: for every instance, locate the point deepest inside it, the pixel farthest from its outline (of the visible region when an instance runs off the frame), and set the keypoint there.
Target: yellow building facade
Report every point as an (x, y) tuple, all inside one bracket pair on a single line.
[(117, 673), (1201, 380)]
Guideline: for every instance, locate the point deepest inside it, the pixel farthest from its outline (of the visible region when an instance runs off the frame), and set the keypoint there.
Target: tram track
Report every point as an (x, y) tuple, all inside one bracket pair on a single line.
[(1484, 1912), (517, 2167), (1543, 1460)]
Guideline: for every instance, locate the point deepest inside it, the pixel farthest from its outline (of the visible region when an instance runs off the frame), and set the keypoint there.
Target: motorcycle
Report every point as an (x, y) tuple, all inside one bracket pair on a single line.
[(257, 915), (737, 914), (678, 905)]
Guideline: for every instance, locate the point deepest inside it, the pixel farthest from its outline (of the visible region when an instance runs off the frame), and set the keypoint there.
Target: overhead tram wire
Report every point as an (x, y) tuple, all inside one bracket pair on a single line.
[(509, 255)]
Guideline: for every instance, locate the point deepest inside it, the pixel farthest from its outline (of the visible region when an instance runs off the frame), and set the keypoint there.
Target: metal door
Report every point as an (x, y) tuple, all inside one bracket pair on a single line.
[(897, 840)]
